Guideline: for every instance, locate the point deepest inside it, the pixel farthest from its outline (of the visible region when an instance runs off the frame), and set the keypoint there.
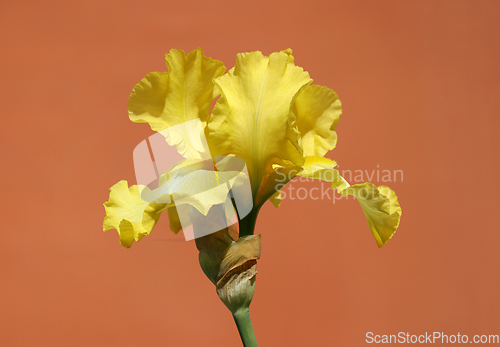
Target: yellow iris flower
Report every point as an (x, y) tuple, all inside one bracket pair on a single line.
[(268, 114)]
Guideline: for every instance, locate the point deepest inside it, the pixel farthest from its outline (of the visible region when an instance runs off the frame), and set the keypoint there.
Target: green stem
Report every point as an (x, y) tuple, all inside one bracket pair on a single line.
[(244, 324), (247, 224)]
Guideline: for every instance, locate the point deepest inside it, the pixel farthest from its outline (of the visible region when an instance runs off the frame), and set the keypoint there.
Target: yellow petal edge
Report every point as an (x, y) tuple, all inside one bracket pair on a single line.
[(253, 118), (129, 214), (184, 93), (318, 110), (381, 208)]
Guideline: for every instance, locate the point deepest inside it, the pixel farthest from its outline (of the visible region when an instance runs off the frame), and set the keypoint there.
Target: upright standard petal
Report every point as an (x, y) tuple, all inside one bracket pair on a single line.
[(182, 94), (381, 208), (253, 118), (129, 214), (318, 111)]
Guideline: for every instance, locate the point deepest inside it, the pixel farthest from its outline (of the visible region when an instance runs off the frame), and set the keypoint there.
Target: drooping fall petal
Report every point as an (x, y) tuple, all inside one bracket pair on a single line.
[(252, 118), (129, 214), (199, 184), (380, 204), (381, 208), (323, 169)]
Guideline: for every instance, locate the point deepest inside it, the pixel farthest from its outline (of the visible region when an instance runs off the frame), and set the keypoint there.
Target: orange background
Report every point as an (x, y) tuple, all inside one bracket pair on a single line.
[(419, 82)]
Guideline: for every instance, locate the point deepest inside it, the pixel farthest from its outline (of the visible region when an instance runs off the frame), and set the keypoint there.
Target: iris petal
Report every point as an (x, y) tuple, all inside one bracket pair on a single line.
[(182, 94), (381, 208), (129, 214), (323, 169), (253, 118), (318, 111), (380, 204)]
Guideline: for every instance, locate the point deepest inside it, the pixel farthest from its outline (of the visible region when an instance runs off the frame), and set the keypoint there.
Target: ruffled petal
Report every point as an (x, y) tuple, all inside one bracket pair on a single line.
[(381, 208), (188, 138), (147, 100), (182, 94), (318, 111), (129, 214), (252, 119)]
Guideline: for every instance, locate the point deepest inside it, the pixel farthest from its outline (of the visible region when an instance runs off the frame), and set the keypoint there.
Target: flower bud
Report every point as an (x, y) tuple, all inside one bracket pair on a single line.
[(237, 273), (228, 261)]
